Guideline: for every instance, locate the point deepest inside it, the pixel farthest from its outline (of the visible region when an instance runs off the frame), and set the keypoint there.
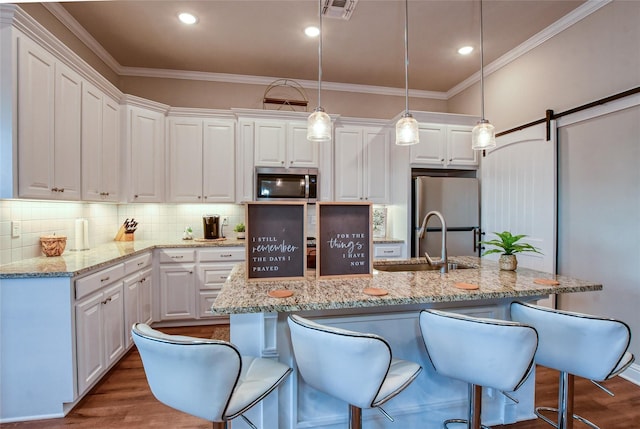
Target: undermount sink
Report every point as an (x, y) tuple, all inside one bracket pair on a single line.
[(417, 267)]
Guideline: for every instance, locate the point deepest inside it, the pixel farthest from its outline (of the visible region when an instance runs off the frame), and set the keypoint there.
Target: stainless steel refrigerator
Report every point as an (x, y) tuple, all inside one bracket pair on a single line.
[(457, 198)]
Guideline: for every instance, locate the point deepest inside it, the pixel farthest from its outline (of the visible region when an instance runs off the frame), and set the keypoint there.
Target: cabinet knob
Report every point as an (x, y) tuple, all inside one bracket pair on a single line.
[(442, 160), (205, 197), (54, 189), (450, 159), (282, 162), (199, 197), (135, 196)]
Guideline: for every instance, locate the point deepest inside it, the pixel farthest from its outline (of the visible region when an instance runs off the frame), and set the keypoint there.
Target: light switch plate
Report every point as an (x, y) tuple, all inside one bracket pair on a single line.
[(16, 228)]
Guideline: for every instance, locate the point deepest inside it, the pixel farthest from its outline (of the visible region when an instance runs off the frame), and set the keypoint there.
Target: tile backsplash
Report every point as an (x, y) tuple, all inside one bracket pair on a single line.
[(155, 221)]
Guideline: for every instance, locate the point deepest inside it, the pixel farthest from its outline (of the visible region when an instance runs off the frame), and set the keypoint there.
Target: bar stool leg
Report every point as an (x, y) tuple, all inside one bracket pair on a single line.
[(219, 425), (565, 401), (355, 417), (475, 410)]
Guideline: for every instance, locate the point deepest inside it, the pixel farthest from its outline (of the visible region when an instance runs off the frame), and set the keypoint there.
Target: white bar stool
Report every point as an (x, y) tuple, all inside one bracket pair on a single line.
[(481, 352), (205, 378), (354, 367), (576, 344)]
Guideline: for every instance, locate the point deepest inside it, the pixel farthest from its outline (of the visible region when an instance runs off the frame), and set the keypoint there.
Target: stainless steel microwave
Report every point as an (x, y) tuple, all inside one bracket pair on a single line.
[(286, 184)]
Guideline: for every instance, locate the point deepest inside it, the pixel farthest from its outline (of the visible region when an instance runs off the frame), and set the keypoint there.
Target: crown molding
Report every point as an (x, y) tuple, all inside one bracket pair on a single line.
[(135, 101), (533, 42), (266, 80), (81, 33), (200, 112)]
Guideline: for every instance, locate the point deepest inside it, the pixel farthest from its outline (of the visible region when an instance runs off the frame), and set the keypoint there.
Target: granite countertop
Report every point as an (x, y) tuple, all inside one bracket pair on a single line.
[(72, 263), (241, 296)]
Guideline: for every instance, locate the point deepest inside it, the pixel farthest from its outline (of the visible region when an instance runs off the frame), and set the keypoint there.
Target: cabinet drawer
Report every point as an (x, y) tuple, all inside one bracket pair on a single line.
[(213, 276), (222, 254), (205, 301), (177, 255), (93, 282), (387, 251), (137, 263)]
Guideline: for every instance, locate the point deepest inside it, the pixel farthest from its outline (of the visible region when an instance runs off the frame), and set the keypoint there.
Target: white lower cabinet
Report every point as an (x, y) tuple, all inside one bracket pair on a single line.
[(99, 333), (137, 301), (177, 290), (191, 279)]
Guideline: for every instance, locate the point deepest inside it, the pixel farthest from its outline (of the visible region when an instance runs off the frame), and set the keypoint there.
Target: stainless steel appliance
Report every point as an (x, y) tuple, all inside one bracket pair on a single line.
[(212, 227), (457, 199), (286, 184)]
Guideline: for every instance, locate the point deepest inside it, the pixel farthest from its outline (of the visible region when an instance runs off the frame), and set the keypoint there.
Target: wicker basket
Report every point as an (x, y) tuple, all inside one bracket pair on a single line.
[(53, 245)]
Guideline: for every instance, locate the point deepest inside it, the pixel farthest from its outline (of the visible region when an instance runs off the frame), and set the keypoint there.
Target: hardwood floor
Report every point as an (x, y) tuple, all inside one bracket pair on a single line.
[(123, 400)]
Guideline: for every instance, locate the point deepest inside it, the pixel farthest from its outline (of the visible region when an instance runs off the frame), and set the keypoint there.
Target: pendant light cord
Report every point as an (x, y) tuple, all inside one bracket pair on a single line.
[(320, 53), (481, 63), (406, 56)]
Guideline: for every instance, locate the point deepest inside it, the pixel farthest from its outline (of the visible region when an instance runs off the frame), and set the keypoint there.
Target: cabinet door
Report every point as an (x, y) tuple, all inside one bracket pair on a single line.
[(300, 151), (245, 181), (349, 164), (91, 142), (89, 341), (67, 140), (459, 152), (145, 293), (270, 143), (36, 71), (113, 323), (110, 150), (185, 160), (431, 149), (146, 152), (177, 291), (131, 305), (376, 169), (218, 161)]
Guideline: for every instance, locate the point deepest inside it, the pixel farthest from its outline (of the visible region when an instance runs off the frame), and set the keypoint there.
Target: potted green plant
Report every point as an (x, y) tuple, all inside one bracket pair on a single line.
[(239, 229), (508, 246)]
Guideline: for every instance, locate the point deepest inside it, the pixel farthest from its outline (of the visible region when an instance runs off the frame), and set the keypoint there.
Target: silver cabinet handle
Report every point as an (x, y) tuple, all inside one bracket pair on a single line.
[(177, 257)]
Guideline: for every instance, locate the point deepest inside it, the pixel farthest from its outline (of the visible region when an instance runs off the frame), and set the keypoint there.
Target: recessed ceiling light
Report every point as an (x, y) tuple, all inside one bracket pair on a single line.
[(187, 18), (465, 50), (312, 31)]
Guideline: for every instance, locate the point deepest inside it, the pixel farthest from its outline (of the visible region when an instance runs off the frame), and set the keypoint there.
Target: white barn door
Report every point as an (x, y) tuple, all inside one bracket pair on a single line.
[(518, 193)]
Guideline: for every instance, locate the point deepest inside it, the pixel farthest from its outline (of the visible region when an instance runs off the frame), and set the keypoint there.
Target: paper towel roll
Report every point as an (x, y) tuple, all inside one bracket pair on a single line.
[(79, 237), (85, 244)]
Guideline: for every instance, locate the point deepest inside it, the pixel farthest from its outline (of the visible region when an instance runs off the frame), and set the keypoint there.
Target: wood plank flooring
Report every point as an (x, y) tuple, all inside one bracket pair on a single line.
[(123, 400)]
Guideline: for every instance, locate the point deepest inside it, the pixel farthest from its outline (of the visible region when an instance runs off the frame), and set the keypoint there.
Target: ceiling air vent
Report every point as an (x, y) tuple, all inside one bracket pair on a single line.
[(339, 9)]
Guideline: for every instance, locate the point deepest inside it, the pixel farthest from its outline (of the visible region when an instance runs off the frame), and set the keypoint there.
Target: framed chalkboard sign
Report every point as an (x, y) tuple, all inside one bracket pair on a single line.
[(275, 240), (344, 242)]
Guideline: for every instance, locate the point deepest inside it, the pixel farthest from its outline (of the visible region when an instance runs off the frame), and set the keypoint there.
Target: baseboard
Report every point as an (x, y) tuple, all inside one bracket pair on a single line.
[(632, 374)]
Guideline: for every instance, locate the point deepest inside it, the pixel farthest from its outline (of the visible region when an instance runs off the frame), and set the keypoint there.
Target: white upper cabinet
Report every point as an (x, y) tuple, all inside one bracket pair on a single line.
[(201, 160), (283, 144), (144, 157), (100, 145), (444, 146), (362, 164), (49, 100)]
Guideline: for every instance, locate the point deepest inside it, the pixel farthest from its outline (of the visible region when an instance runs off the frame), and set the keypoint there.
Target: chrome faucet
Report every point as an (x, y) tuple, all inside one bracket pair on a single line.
[(442, 262)]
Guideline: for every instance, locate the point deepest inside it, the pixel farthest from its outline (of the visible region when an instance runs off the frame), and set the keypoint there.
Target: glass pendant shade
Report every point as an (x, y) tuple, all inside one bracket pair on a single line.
[(483, 136), (319, 126), (407, 130)]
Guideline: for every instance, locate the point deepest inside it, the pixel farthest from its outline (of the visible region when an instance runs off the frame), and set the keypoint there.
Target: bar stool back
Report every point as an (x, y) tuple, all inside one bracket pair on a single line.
[(205, 378), (355, 367), (592, 347), (481, 352)]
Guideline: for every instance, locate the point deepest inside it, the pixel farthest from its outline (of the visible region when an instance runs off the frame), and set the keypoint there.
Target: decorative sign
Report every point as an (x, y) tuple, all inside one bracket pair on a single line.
[(276, 240), (344, 243)]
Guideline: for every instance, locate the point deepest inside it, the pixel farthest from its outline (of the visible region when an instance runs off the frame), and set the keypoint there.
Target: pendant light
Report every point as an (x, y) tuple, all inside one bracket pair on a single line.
[(407, 126), (483, 135), (319, 123)]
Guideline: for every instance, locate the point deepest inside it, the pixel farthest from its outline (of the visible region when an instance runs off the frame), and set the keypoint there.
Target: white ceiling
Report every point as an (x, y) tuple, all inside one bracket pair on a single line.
[(265, 37)]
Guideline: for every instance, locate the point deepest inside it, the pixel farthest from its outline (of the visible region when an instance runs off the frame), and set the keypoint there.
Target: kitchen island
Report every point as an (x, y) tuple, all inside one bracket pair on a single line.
[(258, 327)]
